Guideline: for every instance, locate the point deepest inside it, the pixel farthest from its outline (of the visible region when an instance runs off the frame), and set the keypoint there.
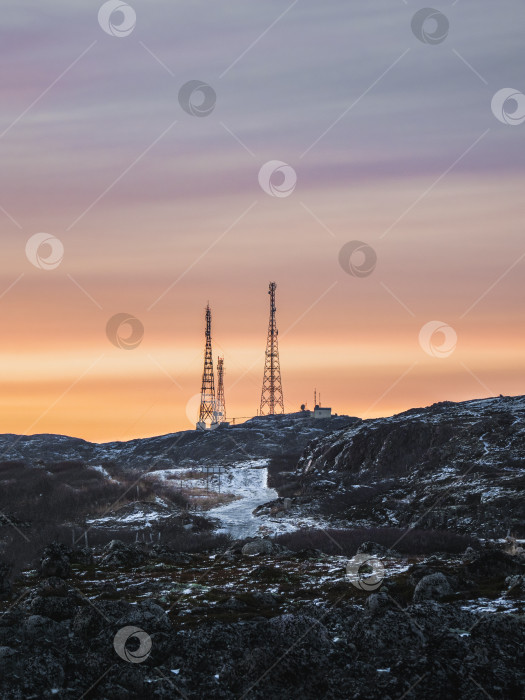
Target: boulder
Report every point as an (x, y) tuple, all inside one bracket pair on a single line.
[(432, 587), (8, 659), (55, 607), (515, 583), (120, 554), (264, 599), (87, 623), (259, 546), (419, 571), (53, 586), (82, 555), (234, 603), (377, 602), (55, 561), (5, 586), (469, 555), (38, 628), (147, 615), (374, 548), (494, 563)]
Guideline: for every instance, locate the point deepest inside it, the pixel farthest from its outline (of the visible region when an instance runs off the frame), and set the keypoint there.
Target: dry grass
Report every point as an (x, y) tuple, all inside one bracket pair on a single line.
[(206, 501)]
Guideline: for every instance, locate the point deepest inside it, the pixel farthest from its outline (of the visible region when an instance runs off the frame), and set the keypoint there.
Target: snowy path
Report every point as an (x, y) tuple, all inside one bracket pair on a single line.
[(249, 481)]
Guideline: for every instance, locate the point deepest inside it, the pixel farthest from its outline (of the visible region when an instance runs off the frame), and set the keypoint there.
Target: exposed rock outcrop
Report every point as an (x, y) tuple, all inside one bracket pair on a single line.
[(455, 466)]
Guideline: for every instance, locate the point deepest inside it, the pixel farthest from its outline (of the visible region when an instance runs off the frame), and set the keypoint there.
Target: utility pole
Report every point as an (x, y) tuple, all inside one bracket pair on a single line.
[(272, 391)]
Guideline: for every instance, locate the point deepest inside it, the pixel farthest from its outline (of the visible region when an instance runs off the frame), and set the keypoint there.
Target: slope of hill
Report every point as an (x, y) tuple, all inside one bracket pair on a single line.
[(54, 486), (458, 466)]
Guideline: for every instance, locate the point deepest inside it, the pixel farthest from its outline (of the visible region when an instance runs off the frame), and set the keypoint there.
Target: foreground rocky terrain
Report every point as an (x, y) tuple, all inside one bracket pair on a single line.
[(392, 562), (257, 620)]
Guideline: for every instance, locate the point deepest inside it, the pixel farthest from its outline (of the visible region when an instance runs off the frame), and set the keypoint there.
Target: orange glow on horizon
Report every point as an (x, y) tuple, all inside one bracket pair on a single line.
[(356, 340)]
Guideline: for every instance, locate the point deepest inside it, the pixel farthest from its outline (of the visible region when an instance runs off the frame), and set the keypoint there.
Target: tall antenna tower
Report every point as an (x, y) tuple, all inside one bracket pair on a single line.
[(272, 391), (221, 404), (207, 411)]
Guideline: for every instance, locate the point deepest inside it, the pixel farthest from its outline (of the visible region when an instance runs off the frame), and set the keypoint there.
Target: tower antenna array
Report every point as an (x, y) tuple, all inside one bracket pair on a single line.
[(207, 411), (272, 391)]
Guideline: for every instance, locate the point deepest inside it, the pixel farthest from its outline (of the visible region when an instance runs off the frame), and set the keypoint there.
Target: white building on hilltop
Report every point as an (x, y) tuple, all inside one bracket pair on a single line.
[(322, 412)]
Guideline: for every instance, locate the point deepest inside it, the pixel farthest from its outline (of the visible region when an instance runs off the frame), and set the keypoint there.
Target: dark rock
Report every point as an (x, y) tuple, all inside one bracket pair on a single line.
[(148, 615), (237, 545), (119, 554), (234, 603), (108, 588), (38, 628), (377, 602), (8, 660), (87, 623), (418, 571), (55, 607), (55, 561), (43, 670), (258, 546), (5, 586), (375, 549), (494, 563), (166, 554), (432, 587), (515, 583), (53, 586), (264, 599), (469, 555), (82, 555)]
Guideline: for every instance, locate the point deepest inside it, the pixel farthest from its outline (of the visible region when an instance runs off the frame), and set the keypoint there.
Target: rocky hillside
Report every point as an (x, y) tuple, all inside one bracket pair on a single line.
[(259, 437), (458, 466)]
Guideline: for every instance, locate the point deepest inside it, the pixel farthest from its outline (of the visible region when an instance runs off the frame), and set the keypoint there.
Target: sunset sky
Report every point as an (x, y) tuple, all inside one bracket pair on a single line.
[(393, 142)]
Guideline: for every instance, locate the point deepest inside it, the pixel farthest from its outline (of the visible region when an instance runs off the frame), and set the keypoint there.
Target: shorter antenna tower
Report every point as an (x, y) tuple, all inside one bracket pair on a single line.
[(221, 404)]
